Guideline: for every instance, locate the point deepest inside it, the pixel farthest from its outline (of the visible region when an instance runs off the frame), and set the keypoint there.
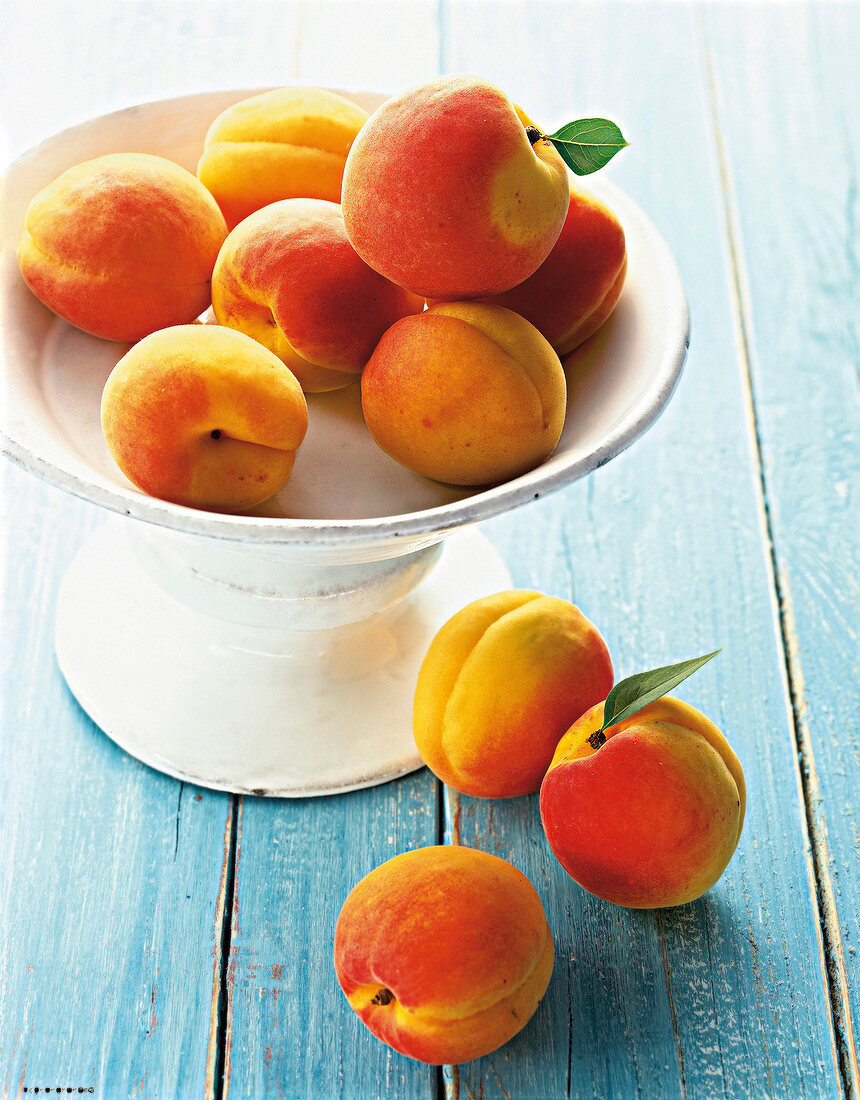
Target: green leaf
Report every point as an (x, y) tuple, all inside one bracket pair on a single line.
[(588, 144), (636, 692)]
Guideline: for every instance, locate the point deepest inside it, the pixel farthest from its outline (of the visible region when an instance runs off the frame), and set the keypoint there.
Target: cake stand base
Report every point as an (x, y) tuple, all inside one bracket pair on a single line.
[(248, 708)]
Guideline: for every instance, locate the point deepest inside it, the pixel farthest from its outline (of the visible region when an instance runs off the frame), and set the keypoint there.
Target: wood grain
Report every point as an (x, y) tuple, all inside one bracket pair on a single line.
[(665, 550), (162, 941), (291, 1031), (788, 144), (110, 871)]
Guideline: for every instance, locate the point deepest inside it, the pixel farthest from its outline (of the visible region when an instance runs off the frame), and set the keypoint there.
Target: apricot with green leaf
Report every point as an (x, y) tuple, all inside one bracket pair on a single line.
[(644, 800)]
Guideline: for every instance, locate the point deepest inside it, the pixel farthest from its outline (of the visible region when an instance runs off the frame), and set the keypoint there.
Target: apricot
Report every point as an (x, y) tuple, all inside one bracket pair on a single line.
[(284, 144), (466, 393), (501, 683), (122, 245), (652, 816), (444, 953), (578, 285), (445, 193), (204, 416), (288, 276)]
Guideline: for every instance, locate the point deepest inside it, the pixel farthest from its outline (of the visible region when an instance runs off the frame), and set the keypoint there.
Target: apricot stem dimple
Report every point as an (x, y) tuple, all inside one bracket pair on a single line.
[(533, 134), (216, 433), (383, 997), (597, 739)]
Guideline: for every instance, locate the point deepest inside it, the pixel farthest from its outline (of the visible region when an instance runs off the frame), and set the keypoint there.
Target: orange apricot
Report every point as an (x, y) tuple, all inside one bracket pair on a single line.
[(122, 245), (204, 416), (501, 683), (444, 953)]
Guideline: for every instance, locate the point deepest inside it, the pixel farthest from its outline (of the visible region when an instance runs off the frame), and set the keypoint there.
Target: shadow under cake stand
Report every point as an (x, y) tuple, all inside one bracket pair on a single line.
[(276, 652)]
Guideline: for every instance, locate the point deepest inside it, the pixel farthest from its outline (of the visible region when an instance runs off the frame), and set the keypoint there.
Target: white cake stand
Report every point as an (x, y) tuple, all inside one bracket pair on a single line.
[(276, 652)]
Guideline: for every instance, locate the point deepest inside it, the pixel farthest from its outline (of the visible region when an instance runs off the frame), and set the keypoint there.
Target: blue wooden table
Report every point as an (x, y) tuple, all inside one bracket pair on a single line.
[(158, 940)]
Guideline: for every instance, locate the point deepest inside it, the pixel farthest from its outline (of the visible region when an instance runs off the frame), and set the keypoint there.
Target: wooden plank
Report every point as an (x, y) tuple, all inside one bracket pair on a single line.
[(290, 1031), (731, 986), (169, 49), (665, 550), (789, 135), (111, 873)]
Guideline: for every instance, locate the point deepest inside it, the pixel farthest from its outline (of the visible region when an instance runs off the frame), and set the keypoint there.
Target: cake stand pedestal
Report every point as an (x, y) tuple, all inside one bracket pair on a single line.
[(257, 669)]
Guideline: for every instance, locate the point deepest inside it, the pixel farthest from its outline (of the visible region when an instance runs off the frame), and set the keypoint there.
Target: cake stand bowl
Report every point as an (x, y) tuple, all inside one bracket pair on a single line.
[(275, 652)]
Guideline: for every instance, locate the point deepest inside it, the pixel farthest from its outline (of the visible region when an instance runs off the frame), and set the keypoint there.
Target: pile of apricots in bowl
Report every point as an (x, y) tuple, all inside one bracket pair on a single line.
[(436, 254)]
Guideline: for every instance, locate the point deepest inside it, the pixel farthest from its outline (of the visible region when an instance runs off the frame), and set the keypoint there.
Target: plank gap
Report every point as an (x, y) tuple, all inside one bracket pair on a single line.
[(672, 1014), (443, 811), (828, 920), (178, 813), (222, 1037)]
